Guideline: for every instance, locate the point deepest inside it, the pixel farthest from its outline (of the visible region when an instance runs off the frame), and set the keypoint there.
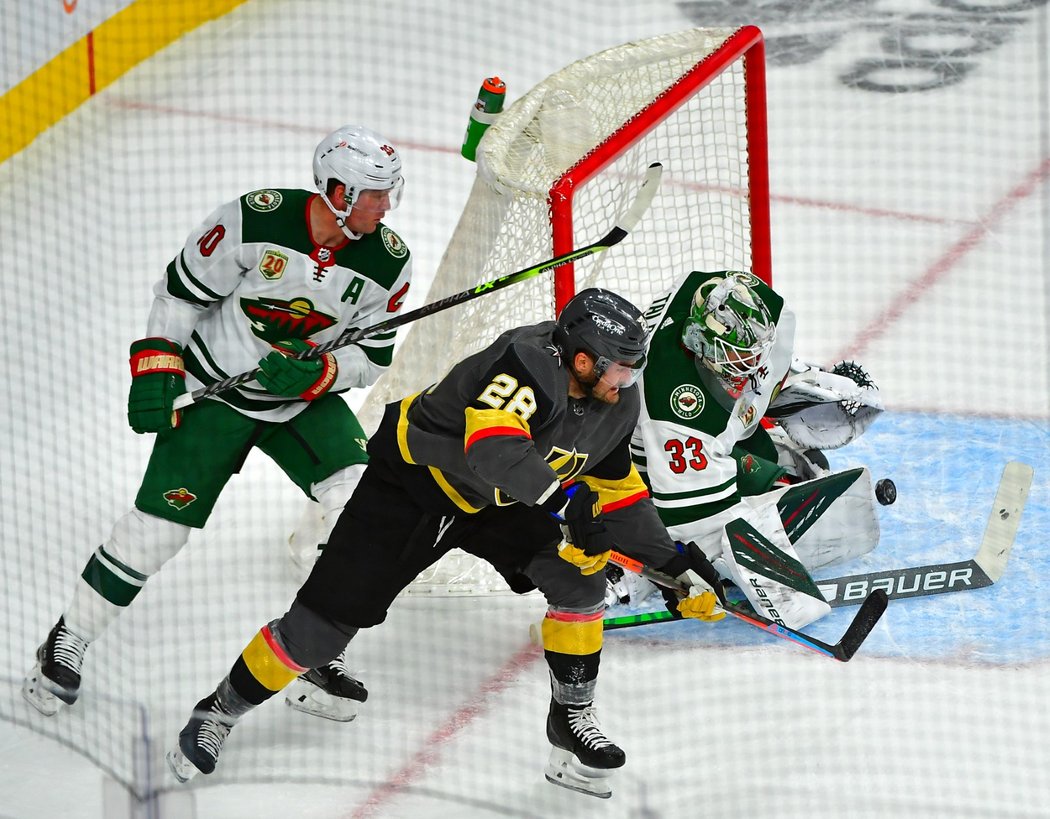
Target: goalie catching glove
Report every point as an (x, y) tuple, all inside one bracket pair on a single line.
[(692, 568), (586, 542), (157, 379), (820, 409), (284, 374)]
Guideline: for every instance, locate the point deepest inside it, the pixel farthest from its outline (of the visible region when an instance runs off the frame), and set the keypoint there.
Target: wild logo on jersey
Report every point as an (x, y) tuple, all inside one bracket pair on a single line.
[(179, 498), (277, 319), (565, 463)]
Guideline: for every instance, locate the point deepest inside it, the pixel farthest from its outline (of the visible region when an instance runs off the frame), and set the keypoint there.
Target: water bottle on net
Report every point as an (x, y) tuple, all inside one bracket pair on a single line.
[(483, 113)]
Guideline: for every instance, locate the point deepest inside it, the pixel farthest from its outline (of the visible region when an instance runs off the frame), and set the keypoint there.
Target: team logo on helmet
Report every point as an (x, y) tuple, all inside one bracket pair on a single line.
[(394, 245), (179, 498), (607, 325), (275, 320), (264, 201), (687, 401)]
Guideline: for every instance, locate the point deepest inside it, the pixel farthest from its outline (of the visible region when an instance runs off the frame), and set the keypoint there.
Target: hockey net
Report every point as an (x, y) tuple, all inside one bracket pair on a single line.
[(554, 172)]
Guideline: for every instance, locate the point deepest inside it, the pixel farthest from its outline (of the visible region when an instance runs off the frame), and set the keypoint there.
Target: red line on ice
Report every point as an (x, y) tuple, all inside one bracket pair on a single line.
[(479, 703), (877, 327)]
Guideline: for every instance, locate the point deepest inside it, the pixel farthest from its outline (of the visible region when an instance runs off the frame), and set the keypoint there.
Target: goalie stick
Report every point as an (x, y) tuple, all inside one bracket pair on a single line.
[(982, 570), (617, 234), (857, 631)]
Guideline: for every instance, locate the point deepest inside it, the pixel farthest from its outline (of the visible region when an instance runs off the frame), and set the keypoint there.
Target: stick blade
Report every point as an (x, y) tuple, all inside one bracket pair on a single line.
[(871, 611), (1010, 499)]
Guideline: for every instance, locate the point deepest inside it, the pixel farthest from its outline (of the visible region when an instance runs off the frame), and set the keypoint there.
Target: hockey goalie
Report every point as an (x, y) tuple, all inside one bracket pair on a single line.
[(730, 443)]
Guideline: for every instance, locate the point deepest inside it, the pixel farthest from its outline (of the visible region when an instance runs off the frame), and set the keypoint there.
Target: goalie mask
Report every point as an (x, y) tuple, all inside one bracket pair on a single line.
[(729, 328), (607, 327), (361, 160)]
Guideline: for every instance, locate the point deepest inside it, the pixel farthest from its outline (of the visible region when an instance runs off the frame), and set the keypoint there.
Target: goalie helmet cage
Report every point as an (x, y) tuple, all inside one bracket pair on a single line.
[(555, 171)]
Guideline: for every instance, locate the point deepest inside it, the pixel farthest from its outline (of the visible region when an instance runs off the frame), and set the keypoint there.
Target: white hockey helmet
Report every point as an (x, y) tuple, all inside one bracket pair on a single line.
[(361, 160), (729, 328)]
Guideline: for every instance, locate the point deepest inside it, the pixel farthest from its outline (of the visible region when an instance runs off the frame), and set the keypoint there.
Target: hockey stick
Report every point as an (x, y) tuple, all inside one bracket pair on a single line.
[(619, 232), (982, 570), (859, 628)]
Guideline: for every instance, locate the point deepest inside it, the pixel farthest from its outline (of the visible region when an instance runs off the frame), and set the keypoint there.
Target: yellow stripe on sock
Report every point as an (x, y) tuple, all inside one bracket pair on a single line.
[(578, 636), (264, 662)]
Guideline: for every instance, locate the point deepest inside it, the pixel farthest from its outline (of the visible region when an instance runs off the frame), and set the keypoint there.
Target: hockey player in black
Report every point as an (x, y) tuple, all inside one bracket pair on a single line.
[(520, 457)]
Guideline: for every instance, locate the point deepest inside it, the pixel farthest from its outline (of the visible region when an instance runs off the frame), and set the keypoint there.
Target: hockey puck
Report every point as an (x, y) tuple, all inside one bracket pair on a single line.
[(885, 491)]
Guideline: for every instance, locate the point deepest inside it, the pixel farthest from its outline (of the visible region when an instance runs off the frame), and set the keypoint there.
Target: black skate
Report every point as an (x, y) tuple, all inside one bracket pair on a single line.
[(201, 740), (329, 692), (55, 679), (582, 758)]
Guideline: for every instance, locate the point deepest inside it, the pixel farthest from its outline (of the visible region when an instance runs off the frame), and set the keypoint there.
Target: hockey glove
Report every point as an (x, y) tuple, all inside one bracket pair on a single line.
[(284, 375), (587, 543), (692, 568), (157, 379)]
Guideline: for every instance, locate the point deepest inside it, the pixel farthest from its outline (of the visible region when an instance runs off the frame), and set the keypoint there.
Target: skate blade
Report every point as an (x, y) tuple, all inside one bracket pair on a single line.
[(565, 770), (37, 693), (308, 698), (181, 768)]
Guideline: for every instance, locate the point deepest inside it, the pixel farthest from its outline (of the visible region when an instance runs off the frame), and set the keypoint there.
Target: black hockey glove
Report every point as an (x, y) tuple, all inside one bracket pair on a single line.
[(586, 542), (581, 521)]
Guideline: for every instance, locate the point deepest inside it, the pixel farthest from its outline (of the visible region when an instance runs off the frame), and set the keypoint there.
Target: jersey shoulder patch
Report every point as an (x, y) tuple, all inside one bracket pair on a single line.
[(265, 200)]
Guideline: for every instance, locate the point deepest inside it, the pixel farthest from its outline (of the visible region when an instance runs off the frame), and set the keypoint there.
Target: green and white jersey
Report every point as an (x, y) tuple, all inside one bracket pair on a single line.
[(252, 275), (689, 424)]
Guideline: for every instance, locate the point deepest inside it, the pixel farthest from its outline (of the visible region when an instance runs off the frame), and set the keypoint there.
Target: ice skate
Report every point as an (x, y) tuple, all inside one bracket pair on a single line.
[(583, 758), (201, 740), (55, 679), (329, 692)]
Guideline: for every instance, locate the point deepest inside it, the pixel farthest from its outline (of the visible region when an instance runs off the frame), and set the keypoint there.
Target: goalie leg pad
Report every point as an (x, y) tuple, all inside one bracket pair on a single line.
[(564, 769), (828, 520), (761, 560)]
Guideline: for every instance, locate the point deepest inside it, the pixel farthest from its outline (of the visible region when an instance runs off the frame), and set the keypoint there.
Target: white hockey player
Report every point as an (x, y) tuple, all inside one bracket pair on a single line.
[(263, 278), (719, 362)]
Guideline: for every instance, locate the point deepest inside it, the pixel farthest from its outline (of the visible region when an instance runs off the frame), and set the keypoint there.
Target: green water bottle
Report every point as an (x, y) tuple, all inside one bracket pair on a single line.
[(483, 114)]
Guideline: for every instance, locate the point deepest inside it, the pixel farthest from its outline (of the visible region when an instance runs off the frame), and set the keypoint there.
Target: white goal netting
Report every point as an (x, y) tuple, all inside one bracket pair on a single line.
[(555, 172)]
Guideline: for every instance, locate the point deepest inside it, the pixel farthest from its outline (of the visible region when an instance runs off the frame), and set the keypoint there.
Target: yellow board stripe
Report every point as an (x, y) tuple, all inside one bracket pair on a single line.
[(271, 670), (94, 61), (577, 636)]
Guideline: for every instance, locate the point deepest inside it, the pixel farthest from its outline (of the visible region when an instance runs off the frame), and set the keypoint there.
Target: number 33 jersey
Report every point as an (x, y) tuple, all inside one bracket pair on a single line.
[(689, 423)]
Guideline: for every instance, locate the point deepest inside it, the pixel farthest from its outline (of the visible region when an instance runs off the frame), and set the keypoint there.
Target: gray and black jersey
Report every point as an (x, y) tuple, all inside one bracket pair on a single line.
[(501, 428), (252, 275)]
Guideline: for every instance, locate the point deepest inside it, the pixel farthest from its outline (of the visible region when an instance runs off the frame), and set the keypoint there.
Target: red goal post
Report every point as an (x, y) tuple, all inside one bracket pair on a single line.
[(554, 173), (746, 45)]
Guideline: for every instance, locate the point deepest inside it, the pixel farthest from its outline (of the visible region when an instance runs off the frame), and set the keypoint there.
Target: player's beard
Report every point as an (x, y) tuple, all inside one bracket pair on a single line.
[(598, 390)]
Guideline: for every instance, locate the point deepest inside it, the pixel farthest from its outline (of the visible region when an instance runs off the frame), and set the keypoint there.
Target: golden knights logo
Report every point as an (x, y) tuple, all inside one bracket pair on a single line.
[(567, 464), (179, 498), (277, 319)]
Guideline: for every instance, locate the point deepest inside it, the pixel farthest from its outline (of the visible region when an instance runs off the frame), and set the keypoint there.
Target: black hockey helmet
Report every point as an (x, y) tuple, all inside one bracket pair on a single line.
[(603, 324)]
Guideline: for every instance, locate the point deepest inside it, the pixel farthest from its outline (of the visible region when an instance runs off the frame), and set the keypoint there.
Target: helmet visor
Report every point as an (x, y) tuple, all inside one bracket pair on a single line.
[(372, 200), (618, 373)]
